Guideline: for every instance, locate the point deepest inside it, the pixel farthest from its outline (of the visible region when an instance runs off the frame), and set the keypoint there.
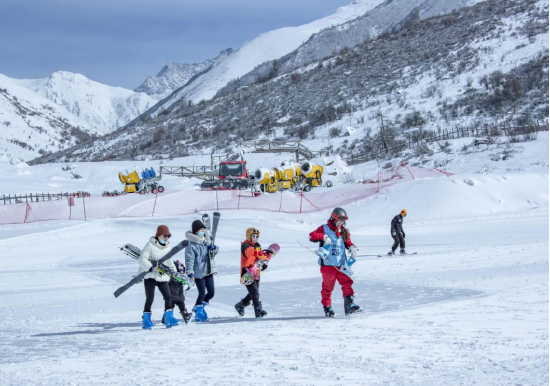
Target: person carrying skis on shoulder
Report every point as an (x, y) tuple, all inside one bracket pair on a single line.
[(177, 294), (251, 250), (201, 267), (398, 233), (155, 249), (334, 235)]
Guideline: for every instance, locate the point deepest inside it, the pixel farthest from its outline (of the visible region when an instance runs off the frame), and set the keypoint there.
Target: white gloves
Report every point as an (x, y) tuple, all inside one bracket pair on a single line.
[(327, 240), (353, 250)]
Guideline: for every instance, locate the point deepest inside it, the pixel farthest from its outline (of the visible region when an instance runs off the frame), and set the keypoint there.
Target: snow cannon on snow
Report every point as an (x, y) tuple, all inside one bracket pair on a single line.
[(266, 180), (144, 182), (312, 176), (286, 176), (232, 175)]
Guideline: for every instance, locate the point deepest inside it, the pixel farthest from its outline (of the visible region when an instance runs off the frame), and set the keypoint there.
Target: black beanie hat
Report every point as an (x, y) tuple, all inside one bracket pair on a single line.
[(197, 224)]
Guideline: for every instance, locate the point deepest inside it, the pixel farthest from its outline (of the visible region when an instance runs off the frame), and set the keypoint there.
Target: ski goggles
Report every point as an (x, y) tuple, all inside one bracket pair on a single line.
[(339, 218)]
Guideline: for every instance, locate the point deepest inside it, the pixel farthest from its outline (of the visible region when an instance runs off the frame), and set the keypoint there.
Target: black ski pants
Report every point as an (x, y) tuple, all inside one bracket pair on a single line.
[(206, 289), (398, 240), (253, 293), (164, 289)]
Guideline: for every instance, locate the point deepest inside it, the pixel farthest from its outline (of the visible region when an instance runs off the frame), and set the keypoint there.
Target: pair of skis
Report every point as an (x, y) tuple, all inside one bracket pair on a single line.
[(138, 278), (134, 252)]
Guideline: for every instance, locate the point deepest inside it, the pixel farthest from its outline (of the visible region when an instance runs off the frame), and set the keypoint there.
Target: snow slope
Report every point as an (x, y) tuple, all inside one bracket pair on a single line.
[(30, 123), (470, 308), (102, 107), (267, 46)]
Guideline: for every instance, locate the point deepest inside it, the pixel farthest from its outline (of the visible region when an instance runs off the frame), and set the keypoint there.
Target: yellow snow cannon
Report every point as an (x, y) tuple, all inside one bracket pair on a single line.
[(267, 180), (129, 178), (311, 175), (287, 175)]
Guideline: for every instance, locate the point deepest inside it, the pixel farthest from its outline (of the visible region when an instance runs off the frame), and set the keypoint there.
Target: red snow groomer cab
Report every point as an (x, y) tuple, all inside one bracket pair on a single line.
[(232, 175)]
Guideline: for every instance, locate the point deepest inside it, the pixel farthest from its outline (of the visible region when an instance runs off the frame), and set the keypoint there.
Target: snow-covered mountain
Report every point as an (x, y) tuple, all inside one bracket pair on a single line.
[(483, 65), (385, 18), (175, 75), (31, 125), (265, 47), (104, 108)]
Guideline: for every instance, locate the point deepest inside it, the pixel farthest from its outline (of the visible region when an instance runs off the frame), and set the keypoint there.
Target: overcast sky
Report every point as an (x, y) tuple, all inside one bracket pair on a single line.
[(121, 42)]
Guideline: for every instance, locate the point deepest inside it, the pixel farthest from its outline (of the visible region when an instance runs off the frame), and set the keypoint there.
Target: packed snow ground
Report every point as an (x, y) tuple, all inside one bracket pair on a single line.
[(471, 307)]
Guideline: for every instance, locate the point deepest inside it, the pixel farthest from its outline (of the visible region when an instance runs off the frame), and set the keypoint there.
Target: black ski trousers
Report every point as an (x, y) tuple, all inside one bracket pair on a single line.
[(164, 289), (398, 240), (206, 289), (253, 293)]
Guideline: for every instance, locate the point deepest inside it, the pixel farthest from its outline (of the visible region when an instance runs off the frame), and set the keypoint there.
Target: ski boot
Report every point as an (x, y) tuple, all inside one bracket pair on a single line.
[(147, 324), (402, 251), (169, 320), (186, 315), (240, 306), (260, 313), (350, 307), (329, 312), (200, 314), (391, 253)]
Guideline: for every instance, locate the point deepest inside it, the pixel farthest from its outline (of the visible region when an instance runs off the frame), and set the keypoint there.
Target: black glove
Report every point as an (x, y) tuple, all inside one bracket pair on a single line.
[(403, 234)]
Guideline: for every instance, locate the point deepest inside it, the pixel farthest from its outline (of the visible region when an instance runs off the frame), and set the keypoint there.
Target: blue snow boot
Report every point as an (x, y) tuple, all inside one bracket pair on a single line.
[(169, 319), (200, 314), (147, 324)]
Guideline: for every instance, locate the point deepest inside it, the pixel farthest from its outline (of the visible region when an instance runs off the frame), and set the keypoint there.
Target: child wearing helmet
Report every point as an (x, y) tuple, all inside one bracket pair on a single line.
[(397, 233), (335, 235), (250, 251)]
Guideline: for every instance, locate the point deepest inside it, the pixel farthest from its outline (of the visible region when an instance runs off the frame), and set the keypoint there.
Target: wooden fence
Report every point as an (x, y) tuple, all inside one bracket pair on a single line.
[(20, 198), (453, 133)]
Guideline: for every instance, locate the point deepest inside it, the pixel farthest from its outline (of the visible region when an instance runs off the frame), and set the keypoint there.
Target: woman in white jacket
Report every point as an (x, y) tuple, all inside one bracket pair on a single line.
[(155, 249)]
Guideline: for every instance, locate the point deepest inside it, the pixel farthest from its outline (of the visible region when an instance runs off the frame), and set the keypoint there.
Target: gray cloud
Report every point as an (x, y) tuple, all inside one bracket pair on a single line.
[(121, 42)]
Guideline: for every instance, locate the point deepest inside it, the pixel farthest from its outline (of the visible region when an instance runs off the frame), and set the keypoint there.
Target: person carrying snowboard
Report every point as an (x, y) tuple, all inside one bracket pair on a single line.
[(398, 233), (199, 261), (251, 251), (336, 236), (155, 249), (178, 294)]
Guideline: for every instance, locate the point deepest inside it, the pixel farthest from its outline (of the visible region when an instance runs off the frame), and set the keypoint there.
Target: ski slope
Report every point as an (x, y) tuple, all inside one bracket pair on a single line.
[(470, 307)]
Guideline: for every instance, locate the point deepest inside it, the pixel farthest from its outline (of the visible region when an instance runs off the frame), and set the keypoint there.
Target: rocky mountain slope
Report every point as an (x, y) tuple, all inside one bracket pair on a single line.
[(482, 64)]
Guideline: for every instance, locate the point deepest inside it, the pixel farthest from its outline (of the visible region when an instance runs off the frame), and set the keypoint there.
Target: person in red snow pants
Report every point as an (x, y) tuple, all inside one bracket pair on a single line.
[(335, 239)]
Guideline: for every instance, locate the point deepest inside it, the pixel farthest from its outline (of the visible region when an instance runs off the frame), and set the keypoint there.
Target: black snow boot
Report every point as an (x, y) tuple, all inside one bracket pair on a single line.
[(402, 251), (391, 253), (350, 307), (328, 311), (186, 315), (260, 313), (240, 306)]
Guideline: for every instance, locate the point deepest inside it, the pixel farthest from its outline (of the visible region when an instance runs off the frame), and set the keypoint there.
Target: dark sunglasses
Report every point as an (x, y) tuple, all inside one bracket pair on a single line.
[(167, 236)]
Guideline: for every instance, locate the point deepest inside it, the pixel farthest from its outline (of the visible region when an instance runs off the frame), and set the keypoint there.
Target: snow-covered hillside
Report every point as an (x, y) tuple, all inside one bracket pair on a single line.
[(471, 307), (102, 107), (267, 46), (31, 125), (413, 81), (174, 75)]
